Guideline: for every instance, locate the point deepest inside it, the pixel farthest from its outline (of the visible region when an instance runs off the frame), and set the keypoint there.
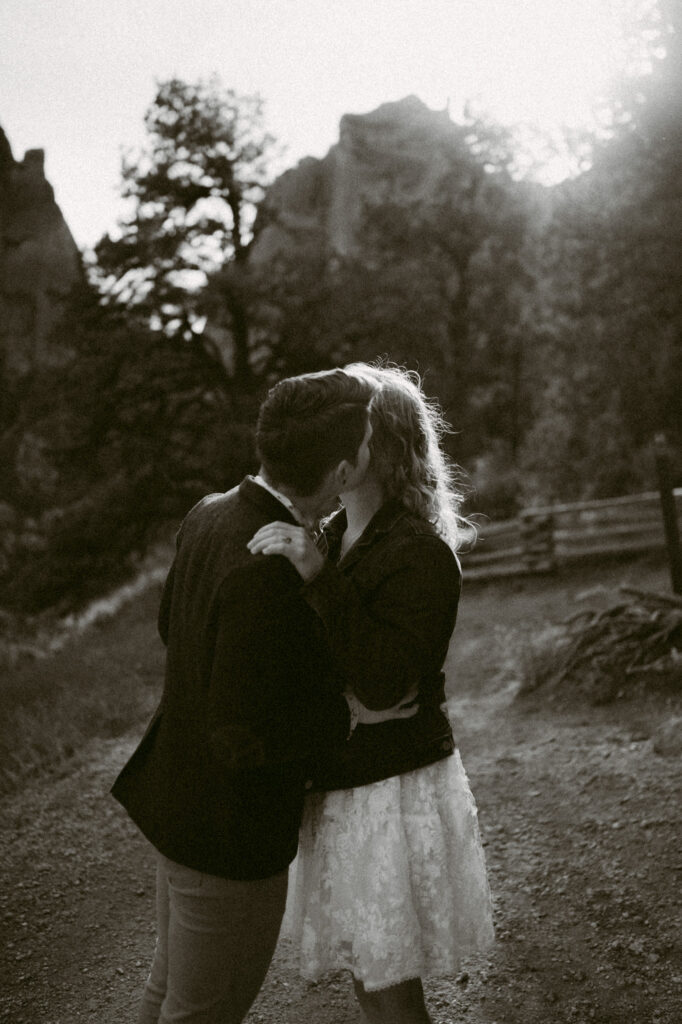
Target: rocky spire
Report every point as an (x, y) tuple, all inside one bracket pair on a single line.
[(39, 263)]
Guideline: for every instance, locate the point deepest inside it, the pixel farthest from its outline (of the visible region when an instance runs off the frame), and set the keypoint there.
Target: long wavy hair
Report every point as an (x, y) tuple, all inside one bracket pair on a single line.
[(406, 451)]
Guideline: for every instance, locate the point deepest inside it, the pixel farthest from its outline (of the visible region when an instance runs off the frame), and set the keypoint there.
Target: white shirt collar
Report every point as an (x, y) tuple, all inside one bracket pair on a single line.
[(287, 502)]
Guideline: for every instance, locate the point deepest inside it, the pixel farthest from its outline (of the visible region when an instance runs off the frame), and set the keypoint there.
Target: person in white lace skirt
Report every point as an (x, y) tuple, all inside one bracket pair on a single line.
[(390, 879)]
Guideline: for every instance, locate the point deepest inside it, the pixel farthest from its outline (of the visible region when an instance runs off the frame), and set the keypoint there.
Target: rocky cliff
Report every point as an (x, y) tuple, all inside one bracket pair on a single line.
[(398, 152), (39, 264)]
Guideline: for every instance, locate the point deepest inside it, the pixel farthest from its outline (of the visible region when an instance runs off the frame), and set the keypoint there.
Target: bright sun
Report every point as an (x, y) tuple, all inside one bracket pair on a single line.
[(545, 64), (549, 60)]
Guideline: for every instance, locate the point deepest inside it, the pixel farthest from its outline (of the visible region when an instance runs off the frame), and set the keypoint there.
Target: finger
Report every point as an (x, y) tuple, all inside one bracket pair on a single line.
[(409, 699), (284, 534), (273, 548), (408, 712), (269, 544), (274, 529), (296, 541)]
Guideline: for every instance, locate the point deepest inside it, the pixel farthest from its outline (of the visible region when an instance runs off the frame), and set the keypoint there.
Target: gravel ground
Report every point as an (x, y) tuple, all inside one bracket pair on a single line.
[(579, 814)]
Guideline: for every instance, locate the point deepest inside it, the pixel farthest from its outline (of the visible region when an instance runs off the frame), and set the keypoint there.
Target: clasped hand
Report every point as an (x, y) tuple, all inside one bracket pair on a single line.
[(406, 707), (294, 542)]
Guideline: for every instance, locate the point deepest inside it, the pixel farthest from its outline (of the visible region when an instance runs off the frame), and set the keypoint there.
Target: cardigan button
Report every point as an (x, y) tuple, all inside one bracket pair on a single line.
[(308, 783), (446, 745)]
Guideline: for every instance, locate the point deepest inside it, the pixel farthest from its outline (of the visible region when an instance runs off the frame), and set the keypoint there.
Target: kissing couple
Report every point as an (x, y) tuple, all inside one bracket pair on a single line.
[(300, 775)]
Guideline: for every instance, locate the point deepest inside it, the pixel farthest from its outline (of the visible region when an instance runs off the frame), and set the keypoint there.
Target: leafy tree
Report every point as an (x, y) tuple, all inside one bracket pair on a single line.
[(192, 192), (432, 282), (447, 273), (603, 314), (125, 439), (148, 412)]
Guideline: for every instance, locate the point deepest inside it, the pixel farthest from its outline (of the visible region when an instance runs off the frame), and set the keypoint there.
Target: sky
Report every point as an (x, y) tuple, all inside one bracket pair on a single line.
[(76, 76)]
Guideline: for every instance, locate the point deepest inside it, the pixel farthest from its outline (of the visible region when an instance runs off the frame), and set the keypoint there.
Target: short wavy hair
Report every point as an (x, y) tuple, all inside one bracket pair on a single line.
[(310, 423)]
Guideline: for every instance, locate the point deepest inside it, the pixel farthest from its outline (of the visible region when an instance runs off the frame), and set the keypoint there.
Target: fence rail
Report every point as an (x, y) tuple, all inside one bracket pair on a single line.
[(542, 539)]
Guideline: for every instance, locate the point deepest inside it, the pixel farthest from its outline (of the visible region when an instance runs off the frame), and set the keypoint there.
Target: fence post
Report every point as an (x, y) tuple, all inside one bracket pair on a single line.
[(537, 541), (669, 510)]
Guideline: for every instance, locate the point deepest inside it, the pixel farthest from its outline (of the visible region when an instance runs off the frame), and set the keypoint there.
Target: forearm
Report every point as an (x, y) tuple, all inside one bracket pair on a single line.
[(378, 656)]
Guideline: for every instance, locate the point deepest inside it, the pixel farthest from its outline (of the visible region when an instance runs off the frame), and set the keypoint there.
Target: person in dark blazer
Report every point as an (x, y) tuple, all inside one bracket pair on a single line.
[(390, 881), (250, 699)]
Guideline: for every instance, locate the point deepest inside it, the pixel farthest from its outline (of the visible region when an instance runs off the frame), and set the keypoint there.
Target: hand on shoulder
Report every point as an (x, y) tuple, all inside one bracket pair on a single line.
[(294, 542)]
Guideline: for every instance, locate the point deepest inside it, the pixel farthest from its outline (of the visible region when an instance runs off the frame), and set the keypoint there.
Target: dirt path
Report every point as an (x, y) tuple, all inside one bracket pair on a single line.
[(581, 823)]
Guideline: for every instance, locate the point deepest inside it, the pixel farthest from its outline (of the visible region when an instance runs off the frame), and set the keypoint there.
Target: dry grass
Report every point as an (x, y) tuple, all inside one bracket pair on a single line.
[(529, 658), (98, 685)]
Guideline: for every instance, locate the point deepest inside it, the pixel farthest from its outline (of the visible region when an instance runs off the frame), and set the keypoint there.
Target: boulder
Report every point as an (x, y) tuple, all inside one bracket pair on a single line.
[(667, 739)]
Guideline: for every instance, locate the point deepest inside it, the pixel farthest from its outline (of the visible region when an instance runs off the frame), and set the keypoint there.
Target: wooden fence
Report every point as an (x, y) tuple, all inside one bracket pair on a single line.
[(542, 539)]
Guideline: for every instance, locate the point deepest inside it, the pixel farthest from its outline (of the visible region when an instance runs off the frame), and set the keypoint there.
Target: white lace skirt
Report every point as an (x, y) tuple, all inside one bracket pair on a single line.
[(390, 879)]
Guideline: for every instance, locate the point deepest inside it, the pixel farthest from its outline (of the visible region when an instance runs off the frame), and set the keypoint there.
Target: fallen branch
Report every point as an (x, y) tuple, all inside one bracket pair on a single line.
[(650, 595)]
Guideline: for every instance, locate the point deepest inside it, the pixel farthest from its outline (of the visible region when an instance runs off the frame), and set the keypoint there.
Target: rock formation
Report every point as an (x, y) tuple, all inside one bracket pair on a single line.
[(39, 264), (399, 152)]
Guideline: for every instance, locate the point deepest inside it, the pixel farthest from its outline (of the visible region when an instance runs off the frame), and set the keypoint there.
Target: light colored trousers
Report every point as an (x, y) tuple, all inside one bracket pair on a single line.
[(215, 941)]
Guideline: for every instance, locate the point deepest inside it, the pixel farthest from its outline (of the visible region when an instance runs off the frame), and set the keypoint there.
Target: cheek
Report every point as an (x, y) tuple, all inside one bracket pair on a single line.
[(365, 461)]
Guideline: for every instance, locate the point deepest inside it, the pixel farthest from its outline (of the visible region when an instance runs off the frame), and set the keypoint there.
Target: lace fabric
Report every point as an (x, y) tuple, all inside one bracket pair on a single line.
[(390, 879)]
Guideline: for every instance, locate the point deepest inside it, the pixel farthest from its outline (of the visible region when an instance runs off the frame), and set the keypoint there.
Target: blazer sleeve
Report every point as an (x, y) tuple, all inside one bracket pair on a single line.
[(386, 640), (266, 706)]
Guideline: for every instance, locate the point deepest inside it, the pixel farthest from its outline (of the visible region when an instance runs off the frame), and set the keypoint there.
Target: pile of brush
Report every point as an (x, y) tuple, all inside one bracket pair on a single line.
[(634, 644)]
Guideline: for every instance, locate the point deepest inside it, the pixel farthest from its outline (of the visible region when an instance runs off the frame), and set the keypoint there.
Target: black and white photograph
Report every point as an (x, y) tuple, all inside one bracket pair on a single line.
[(340, 511)]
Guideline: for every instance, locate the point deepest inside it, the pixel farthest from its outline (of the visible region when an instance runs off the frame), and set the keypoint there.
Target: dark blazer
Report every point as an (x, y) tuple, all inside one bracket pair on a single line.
[(389, 608), (217, 782)]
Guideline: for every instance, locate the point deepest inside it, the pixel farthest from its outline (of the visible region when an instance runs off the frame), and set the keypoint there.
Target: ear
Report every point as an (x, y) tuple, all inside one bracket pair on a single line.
[(342, 473)]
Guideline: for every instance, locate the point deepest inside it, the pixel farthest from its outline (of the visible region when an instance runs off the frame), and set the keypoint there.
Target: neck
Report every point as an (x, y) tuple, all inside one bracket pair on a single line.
[(361, 504), (281, 493)]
